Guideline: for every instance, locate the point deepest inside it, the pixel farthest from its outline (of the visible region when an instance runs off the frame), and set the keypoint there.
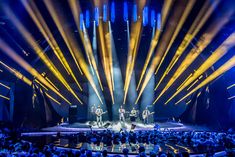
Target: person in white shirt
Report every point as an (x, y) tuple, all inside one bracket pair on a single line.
[(99, 113), (145, 115), (122, 114)]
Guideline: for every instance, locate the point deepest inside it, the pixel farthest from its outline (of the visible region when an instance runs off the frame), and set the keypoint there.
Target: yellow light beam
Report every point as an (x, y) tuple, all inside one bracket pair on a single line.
[(184, 81), (183, 18), (17, 74), (201, 18), (134, 44), (70, 41), (192, 84), (204, 40), (233, 85), (215, 56), (51, 83), (76, 9), (188, 102), (41, 84), (162, 46), (50, 97), (105, 57), (44, 29), (5, 86), (165, 12), (225, 67), (4, 97), (58, 20), (135, 36), (20, 61), (32, 42)]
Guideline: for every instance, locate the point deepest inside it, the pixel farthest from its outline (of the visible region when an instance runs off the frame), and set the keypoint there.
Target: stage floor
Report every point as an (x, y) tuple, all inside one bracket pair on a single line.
[(117, 126)]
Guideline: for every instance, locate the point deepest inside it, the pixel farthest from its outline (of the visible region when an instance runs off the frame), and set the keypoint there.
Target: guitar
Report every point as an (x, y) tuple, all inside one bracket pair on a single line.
[(147, 115), (100, 114), (134, 113)]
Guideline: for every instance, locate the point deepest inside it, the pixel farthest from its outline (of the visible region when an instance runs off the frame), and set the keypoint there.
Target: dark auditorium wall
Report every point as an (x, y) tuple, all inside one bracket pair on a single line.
[(219, 112)]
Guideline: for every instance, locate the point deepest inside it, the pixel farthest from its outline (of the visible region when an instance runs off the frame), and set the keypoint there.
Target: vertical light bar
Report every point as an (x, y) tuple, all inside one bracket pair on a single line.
[(153, 18), (97, 16), (112, 12), (134, 12), (87, 18), (145, 16), (159, 21), (81, 21), (125, 11), (105, 13)]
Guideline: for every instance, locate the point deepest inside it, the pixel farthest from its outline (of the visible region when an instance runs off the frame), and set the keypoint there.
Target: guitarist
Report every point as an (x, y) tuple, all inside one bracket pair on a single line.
[(99, 112), (146, 113), (122, 114)]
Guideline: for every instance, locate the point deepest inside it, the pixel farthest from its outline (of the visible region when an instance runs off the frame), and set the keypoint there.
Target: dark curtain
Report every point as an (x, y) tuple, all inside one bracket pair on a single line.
[(41, 114), (5, 109), (199, 106)]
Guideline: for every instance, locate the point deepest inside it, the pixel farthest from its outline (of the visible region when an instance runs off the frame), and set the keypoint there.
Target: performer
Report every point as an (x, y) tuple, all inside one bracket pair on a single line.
[(122, 114), (146, 113), (93, 114), (99, 112), (133, 114)]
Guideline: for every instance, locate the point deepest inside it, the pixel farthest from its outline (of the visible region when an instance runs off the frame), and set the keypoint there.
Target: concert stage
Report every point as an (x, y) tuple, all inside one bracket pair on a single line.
[(117, 126)]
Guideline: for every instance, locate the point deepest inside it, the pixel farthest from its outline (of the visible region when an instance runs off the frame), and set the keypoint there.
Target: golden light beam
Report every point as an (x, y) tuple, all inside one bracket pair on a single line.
[(27, 81), (162, 46), (135, 36), (111, 52), (17, 74), (188, 102), (7, 87), (4, 97), (184, 81), (233, 85), (210, 61), (200, 20), (75, 8), (58, 20), (51, 83), (105, 57), (38, 50), (225, 67), (21, 62), (196, 81), (70, 41), (134, 44), (183, 18), (44, 29), (50, 97), (165, 12), (203, 42)]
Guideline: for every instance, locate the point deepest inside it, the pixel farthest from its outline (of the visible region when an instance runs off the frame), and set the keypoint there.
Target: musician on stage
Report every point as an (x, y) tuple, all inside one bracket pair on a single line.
[(99, 113), (133, 114), (145, 115), (122, 114)]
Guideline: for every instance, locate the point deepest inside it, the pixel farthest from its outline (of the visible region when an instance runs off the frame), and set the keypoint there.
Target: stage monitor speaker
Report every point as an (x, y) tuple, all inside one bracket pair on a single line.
[(73, 114)]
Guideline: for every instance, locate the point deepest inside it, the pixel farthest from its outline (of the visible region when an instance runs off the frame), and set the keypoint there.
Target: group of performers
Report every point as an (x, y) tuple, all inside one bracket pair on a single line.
[(133, 115)]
